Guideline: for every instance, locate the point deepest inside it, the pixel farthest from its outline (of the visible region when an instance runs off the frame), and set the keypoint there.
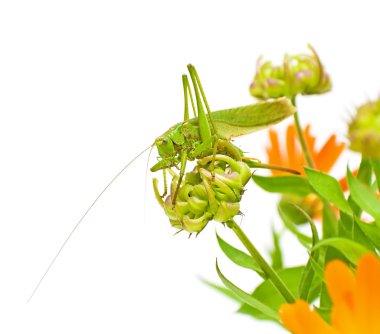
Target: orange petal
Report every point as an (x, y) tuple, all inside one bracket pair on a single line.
[(340, 283), (300, 319), (343, 184), (273, 151), (329, 154), (367, 296), (291, 146)]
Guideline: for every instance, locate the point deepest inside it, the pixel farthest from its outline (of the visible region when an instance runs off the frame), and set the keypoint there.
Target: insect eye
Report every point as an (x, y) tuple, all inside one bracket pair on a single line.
[(164, 141)]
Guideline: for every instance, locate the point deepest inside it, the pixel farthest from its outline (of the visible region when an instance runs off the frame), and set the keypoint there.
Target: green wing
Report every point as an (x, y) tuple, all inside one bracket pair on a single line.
[(244, 120)]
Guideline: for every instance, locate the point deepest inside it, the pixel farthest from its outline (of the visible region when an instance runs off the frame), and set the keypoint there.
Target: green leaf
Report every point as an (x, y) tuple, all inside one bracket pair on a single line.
[(318, 268), (308, 273), (329, 221), (276, 253), (221, 289), (376, 168), (324, 312), (350, 249), (346, 226), (247, 298), (371, 231), (288, 212), (239, 257), (364, 175), (354, 229), (365, 172), (288, 205), (325, 303), (364, 196), (328, 187), (268, 294), (286, 184)]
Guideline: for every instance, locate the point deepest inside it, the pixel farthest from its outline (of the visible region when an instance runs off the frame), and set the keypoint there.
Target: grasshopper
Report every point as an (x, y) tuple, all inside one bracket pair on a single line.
[(211, 133), (206, 134)]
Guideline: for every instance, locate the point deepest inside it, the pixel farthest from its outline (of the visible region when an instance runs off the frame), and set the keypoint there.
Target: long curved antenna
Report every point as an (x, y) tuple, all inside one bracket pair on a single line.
[(145, 194), (81, 219)]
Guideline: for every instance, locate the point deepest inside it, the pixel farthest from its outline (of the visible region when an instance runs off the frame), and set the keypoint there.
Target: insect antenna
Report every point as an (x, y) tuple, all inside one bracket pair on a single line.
[(146, 191), (81, 219)]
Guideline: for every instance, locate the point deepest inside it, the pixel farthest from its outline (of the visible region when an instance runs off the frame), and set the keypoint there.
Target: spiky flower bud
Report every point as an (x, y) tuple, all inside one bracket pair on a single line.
[(364, 130), (299, 74), (207, 194)]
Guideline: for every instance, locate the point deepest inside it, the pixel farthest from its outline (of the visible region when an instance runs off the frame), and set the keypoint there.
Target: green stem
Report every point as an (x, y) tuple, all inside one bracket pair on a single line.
[(301, 138), (254, 164), (265, 267)]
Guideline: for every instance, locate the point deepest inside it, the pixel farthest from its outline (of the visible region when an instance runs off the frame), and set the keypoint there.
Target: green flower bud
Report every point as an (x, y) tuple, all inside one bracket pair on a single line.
[(364, 130), (299, 74), (206, 194)]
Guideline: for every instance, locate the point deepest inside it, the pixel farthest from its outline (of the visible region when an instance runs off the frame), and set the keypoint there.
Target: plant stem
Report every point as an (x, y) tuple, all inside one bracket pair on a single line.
[(301, 138), (266, 268)]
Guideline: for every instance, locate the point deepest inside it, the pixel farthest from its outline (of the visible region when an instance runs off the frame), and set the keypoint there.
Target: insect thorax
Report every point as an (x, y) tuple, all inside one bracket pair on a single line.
[(181, 138)]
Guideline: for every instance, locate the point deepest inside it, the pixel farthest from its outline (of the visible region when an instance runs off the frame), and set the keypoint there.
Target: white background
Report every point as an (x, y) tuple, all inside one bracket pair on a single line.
[(84, 87)]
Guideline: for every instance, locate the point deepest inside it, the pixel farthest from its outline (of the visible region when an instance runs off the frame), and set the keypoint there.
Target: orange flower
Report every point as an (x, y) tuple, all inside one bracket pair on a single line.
[(355, 298), (292, 156)]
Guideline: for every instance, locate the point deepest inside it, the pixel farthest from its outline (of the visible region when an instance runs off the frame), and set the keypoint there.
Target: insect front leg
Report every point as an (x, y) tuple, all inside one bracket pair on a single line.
[(157, 194), (187, 93), (181, 174), (165, 184)]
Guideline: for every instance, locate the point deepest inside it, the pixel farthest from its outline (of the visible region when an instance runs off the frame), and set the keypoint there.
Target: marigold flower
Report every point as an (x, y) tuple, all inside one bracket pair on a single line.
[(291, 156), (355, 298)]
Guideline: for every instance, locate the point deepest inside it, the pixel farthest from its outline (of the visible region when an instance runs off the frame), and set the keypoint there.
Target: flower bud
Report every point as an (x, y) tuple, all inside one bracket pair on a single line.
[(364, 130), (207, 193), (299, 74), (311, 204)]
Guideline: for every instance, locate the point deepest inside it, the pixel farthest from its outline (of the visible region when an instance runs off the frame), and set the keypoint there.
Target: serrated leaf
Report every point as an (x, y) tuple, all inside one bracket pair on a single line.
[(247, 298), (286, 184), (328, 187), (239, 257), (351, 250), (364, 196)]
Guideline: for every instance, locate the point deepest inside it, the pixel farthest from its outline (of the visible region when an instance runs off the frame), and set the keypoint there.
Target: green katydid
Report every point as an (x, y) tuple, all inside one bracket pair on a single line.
[(204, 135), (211, 133)]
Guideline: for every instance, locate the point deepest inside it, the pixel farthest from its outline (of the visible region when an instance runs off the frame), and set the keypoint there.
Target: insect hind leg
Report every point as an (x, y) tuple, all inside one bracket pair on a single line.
[(187, 93)]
